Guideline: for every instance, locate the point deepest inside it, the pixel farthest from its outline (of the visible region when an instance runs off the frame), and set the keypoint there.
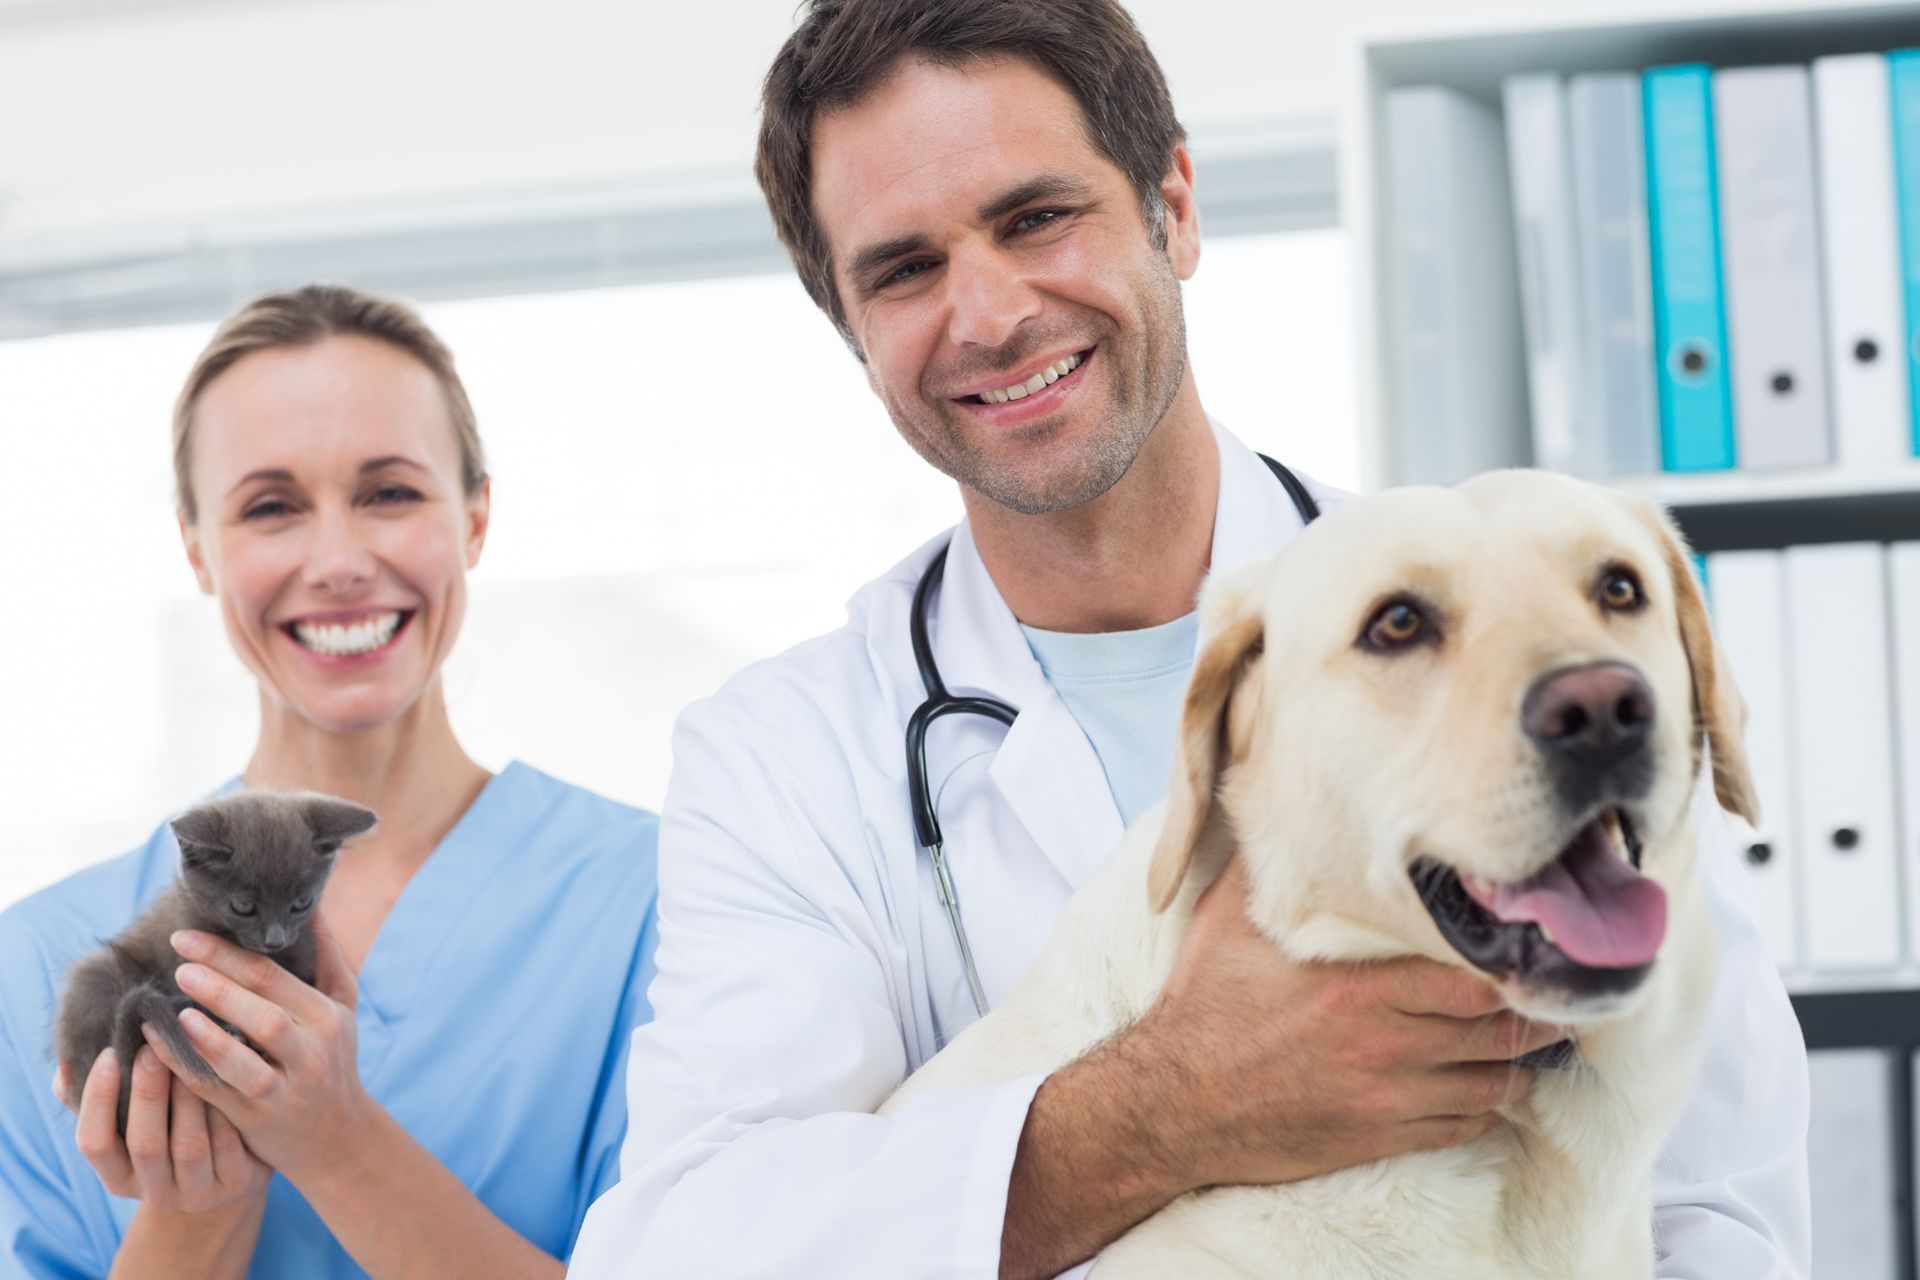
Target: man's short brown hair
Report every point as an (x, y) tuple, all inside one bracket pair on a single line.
[(843, 49)]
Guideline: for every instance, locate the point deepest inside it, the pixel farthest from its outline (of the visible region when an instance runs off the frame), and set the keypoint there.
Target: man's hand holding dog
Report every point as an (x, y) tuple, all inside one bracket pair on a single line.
[(1253, 1069)]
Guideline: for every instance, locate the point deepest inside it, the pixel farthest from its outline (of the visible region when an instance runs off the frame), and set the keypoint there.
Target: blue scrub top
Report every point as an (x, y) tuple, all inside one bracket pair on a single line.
[(495, 1009)]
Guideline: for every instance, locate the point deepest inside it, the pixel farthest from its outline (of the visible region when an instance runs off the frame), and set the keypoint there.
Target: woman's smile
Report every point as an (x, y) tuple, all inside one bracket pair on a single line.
[(348, 638)]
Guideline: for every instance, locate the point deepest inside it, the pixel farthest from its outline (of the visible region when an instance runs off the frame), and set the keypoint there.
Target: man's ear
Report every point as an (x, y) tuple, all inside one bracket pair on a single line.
[(1719, 712), (196, 558), (1180, 216), (1230, 611)]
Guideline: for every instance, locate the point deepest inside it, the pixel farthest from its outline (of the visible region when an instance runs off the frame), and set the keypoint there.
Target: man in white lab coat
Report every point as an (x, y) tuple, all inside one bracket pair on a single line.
[(992, 200)]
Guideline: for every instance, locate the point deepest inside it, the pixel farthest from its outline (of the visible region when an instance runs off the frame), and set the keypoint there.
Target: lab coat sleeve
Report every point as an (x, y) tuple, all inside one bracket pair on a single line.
[(751, 1148), (1730, 1189), (606, 1131)]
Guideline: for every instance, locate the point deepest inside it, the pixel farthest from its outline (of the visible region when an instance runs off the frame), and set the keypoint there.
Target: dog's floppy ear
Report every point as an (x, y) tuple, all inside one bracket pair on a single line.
[(1230, 613), (1719, 712)]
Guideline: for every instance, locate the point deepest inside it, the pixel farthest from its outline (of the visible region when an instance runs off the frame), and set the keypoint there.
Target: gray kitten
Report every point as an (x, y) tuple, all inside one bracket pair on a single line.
[(252, 865)]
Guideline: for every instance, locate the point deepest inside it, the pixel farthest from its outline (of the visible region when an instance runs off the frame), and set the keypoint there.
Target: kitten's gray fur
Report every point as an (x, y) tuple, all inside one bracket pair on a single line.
[(266, 853)]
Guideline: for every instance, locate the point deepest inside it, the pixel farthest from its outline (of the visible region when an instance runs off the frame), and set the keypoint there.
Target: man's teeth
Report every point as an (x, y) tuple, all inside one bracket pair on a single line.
[(340, 642), (1021, 390)]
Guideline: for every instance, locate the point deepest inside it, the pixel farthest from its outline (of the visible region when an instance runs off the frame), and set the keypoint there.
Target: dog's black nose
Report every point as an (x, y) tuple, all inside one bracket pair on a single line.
[(1595, 714)]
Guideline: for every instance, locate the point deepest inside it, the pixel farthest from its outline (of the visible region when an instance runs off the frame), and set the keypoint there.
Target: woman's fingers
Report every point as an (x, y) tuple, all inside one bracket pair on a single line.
[(331, 974), (188, 1143), (238, 1066), (233, 1164), (245, 970), (258, 1017), (147, 1146), (97, 1131)]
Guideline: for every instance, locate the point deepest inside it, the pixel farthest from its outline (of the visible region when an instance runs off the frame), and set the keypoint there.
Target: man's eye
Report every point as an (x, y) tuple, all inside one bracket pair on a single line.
[(1037, 219), (904, 272)]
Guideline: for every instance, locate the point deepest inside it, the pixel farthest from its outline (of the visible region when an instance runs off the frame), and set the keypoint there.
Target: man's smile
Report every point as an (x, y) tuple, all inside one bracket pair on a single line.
[(1026, 395)]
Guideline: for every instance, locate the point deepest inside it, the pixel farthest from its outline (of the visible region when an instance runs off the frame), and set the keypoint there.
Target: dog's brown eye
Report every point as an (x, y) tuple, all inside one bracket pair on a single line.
[(1396, 626), (1620, 591)]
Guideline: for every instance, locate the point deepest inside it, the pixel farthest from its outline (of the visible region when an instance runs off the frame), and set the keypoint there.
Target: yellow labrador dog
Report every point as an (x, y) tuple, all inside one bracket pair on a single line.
[(1455, 723)]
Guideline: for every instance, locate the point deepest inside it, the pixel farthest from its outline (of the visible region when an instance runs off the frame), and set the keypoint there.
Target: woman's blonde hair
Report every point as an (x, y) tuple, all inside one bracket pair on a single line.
[(300, 317)]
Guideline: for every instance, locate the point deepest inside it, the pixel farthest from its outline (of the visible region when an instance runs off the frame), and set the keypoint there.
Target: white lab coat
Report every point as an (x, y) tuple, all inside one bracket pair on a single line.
[(806, 966)]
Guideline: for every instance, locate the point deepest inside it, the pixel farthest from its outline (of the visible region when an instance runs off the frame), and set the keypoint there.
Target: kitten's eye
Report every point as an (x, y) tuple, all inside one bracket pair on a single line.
[(303, 902), (241, 907)]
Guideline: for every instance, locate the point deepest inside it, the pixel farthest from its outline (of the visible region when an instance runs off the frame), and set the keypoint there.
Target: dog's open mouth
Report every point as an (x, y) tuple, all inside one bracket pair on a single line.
[(1587, 921)]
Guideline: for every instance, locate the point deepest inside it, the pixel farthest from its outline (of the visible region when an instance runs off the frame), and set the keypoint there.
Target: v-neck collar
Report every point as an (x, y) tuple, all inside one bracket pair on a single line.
[(426, 915)]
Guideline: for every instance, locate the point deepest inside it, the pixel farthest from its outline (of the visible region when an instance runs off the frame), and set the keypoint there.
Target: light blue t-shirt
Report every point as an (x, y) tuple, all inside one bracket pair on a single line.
[(495, 1009), (1125, 688)]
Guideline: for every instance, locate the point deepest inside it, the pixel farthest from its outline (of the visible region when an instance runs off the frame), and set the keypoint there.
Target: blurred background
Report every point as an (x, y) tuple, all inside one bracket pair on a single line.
[(689, 471)]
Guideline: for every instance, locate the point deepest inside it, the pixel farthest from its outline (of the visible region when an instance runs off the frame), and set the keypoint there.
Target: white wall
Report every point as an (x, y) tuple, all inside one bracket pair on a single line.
[(172, 111)]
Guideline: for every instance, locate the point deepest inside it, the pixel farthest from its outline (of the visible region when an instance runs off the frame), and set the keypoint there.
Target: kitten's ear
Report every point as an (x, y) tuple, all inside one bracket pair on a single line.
[(334, 821), (202, 833)]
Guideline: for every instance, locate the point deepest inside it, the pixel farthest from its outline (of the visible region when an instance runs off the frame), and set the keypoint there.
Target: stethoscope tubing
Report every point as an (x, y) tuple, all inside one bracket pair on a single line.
[(939, 702)]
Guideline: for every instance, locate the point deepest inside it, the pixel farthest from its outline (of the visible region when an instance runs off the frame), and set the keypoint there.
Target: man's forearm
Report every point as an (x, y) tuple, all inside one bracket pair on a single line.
[(1092, 1161)]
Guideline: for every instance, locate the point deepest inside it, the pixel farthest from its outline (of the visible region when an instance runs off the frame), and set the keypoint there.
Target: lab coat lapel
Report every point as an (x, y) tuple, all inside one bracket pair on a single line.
[(1045, 770), (1254, 517)]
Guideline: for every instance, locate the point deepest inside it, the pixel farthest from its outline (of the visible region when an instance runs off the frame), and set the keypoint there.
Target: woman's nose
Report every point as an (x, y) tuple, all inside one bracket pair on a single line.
[(338, 557)]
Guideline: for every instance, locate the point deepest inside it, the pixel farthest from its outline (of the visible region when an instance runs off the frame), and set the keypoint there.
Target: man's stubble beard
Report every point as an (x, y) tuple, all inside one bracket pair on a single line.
[(1138, 405)]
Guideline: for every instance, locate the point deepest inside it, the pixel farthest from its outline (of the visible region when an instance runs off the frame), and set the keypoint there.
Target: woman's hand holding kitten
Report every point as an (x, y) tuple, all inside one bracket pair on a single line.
[(179, 1155), (293, 1088)]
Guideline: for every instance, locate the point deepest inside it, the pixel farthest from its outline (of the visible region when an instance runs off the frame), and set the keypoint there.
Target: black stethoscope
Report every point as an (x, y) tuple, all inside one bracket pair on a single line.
[(939, 702)]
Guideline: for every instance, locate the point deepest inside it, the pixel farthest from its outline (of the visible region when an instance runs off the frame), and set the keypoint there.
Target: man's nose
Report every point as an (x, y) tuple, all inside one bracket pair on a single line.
[(1595, 714), (988, 297)]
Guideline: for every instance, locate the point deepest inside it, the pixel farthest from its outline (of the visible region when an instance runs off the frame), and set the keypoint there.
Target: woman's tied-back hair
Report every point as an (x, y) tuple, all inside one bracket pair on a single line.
[(301, 317), (844, 49)]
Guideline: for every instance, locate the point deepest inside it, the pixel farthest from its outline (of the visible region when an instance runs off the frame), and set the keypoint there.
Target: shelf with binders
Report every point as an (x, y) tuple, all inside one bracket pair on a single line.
[(1459, 271)]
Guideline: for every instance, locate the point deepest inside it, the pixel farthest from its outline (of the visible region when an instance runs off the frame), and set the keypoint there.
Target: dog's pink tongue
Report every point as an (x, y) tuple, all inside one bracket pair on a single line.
[(1601, 912)]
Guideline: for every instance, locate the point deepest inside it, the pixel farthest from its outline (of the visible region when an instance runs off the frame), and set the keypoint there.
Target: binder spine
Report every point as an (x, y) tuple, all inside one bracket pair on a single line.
[(1689, 306), (1903, 91), (1610, 207)]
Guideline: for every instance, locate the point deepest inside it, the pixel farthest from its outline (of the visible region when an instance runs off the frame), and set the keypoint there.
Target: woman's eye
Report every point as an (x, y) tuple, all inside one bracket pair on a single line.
[(1397, 625), (241, 907), (1620, 591), (267, 510), (391, 493)]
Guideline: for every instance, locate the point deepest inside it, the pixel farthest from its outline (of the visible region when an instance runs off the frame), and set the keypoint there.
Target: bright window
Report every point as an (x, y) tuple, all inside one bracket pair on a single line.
[(686, 477)]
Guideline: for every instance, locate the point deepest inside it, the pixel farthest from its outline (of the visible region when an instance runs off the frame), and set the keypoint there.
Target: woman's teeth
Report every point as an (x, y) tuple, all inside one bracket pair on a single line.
[(343, 642), (1021, 390)]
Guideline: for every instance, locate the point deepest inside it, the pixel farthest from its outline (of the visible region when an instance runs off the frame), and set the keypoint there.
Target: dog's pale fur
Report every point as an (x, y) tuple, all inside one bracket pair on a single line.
[(1330, 768)]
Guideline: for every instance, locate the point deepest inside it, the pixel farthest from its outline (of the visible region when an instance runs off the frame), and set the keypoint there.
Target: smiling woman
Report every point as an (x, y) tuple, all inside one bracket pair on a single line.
[(332, 496)]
